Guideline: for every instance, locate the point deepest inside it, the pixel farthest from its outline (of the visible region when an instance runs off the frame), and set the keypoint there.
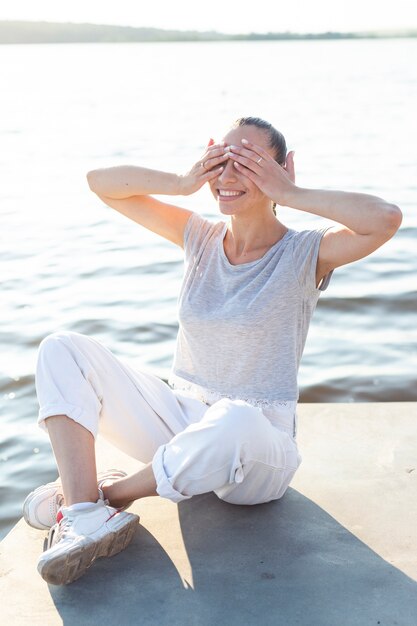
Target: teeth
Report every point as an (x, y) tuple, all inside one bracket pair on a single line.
[(222, 192)]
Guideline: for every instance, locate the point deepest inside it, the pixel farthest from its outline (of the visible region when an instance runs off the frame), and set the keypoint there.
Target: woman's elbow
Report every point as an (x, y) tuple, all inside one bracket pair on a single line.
[(393, 219), (92, 179)]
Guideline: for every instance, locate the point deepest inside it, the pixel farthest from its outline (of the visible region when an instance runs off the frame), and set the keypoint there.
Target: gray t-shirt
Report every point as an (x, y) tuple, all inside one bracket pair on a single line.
[(242, 328)]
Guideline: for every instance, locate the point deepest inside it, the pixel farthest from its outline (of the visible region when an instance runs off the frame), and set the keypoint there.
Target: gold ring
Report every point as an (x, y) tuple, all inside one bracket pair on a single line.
[(202, 165)]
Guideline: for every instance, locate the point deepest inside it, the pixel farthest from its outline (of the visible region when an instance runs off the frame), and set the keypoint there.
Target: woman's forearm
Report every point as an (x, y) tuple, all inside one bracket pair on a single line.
[(362, 213), (124, 181)]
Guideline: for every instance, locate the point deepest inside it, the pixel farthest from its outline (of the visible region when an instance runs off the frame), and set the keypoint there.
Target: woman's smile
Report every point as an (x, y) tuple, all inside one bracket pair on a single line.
[(228, 195)]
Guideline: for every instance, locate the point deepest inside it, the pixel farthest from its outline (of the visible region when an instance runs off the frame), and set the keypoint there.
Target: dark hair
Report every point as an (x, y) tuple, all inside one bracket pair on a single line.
[(276, 139)]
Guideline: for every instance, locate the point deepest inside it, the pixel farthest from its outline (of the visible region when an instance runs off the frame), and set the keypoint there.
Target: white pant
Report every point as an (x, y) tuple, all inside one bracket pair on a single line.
[(230, 447)]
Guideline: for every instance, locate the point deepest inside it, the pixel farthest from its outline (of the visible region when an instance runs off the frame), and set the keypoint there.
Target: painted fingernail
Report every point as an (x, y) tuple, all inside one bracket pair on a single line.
[(245, 141)]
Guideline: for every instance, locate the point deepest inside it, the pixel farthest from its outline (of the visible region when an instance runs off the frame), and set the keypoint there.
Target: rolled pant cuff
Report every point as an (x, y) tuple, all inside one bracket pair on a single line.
[(163, 485), (76, 413)]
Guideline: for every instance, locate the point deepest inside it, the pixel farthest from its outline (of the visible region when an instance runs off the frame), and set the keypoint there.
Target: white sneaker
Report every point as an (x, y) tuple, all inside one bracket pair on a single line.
[(80, 537), (42, 505)]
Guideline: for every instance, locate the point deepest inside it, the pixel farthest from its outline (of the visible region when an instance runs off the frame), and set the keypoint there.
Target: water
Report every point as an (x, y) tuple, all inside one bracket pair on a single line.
[(67, 262)]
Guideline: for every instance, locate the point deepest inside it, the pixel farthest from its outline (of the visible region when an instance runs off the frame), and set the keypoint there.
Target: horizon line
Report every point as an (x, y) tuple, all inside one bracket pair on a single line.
[(365, 32)]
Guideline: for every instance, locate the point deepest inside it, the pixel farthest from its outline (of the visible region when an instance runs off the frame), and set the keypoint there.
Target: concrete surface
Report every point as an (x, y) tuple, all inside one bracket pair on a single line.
[(339, 549)]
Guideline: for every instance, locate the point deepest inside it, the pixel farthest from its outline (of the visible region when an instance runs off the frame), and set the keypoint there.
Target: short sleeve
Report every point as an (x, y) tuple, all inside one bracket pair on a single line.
[(196, 232), (306, 245)]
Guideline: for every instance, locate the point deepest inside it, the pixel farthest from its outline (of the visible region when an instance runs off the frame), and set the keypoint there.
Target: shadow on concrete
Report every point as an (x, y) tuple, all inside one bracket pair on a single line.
[(286, 562)]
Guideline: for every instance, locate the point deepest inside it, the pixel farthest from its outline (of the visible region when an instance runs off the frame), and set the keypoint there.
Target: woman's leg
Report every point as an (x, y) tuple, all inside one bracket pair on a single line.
[(73, 447), (74, 451), (226, 448), (234, 451), (138, 485), (80, 386)]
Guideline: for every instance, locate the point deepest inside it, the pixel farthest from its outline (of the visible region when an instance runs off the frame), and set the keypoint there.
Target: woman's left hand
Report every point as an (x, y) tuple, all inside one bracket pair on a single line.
[(261, 168)]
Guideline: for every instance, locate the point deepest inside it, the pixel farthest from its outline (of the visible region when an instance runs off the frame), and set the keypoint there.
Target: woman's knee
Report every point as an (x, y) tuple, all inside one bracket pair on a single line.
[(55, 341), (241, 497), (61, 342), (261, 484), (50, 350), (57, 354)]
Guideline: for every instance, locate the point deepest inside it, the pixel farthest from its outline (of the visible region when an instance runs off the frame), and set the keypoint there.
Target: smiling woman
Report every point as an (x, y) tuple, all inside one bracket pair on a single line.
[(274, 143), (227, 420)]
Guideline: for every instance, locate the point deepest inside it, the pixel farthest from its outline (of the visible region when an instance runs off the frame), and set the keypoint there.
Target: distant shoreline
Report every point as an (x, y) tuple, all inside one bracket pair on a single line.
[(21, 32)]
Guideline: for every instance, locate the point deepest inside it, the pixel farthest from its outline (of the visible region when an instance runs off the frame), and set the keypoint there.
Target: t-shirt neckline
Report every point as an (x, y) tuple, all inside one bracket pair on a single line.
[(249, 263)]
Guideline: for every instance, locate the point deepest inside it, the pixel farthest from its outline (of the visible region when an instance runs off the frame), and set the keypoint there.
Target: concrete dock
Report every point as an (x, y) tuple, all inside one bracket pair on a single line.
[(339, 549)]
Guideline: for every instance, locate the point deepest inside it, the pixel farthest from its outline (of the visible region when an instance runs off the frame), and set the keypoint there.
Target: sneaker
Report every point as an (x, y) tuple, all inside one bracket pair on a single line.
[(81, 537), (42, 505)]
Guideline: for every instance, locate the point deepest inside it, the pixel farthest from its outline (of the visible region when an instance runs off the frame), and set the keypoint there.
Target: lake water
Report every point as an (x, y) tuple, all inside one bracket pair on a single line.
[(68, 262)]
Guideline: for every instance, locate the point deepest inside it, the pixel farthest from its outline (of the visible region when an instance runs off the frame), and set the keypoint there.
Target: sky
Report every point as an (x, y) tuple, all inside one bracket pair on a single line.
[(227, 16)]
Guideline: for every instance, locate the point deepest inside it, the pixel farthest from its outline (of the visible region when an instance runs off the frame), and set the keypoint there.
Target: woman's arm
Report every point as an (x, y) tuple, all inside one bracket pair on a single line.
[(125, 181), (167, 220), (366, 222), (127, 189)]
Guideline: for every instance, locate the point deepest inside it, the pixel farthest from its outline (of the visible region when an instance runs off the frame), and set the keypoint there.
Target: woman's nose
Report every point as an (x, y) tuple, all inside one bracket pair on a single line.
[(229, 171)]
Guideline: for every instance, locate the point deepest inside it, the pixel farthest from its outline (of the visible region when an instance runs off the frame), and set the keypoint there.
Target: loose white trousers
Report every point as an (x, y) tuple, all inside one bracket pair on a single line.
[(230, 447)]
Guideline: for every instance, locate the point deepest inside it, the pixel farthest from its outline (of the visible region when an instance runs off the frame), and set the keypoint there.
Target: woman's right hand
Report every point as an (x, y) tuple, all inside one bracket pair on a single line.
[(207, 167)]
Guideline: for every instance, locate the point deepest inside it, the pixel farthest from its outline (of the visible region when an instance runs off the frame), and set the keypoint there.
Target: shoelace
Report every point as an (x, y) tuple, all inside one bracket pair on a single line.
[(57, 531), (59, 501)]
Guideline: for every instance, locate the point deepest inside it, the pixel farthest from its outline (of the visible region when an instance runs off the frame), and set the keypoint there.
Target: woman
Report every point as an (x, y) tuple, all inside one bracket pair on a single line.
[(227, 422)]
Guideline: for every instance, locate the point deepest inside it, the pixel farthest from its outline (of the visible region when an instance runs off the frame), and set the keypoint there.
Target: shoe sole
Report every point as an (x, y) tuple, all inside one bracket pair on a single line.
[(68, 567)]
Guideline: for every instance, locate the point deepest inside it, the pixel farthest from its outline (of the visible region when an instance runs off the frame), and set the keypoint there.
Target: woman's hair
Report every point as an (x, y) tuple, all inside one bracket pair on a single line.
[(276, 139)]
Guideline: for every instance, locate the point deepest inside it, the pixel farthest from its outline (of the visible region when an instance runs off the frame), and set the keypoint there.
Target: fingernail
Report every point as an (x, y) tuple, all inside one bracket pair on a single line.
[(245, 141)]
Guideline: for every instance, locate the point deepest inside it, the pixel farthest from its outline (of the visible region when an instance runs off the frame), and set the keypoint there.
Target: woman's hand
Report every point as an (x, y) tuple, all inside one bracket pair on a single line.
[(207, 167), (274, 180)]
